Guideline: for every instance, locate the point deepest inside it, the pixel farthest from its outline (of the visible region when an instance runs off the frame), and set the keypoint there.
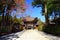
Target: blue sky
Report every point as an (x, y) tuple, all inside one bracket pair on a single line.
[(30, 11), (34, 12)]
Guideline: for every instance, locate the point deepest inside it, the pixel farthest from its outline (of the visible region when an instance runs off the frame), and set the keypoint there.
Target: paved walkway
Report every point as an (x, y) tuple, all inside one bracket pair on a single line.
[(29, 35), (32, 35)]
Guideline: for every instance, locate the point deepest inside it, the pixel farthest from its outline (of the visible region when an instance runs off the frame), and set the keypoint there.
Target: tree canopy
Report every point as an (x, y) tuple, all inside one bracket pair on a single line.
[(49, 4)]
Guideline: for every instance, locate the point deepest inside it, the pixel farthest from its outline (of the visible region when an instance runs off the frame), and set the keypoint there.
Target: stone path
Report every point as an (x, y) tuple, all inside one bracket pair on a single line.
[(32, 35), (29, 35), (12, 36)]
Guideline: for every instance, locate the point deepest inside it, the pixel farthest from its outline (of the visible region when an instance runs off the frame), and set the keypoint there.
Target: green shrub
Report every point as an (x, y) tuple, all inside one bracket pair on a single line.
[(54, 30), (5, 29), (40, 27)]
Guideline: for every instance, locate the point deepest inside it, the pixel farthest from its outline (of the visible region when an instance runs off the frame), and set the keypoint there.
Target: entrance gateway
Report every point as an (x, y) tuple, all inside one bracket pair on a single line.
[(30, 23)]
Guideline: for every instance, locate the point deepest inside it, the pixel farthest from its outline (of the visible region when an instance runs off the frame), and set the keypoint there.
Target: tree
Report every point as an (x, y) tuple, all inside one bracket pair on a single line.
[(0, 20), (41, 25), (3, 5), (8, 5), (48, 6), (44, 4)]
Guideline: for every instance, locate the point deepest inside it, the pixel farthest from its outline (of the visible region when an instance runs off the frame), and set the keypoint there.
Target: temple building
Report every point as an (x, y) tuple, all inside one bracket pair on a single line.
[(30, 23), (27, 23)]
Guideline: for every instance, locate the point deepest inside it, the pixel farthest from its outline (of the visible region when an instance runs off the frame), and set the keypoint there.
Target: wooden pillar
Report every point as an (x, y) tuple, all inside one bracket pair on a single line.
[(26, 26), (33, 25)]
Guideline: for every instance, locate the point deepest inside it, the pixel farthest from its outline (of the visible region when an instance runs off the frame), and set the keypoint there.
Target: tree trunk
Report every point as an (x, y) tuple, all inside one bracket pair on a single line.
[(3, 21), (46, 16), (55, 15)]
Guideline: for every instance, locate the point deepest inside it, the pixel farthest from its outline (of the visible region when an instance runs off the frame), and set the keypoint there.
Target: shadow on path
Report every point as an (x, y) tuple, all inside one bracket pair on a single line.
[(11, 36)]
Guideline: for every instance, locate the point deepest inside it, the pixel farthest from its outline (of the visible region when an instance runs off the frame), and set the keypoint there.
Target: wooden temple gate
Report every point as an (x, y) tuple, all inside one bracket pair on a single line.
[(30, 24)]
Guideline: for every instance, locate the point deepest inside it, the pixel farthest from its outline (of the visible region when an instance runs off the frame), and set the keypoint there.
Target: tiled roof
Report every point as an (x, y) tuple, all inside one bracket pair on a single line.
[(28, 18)]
